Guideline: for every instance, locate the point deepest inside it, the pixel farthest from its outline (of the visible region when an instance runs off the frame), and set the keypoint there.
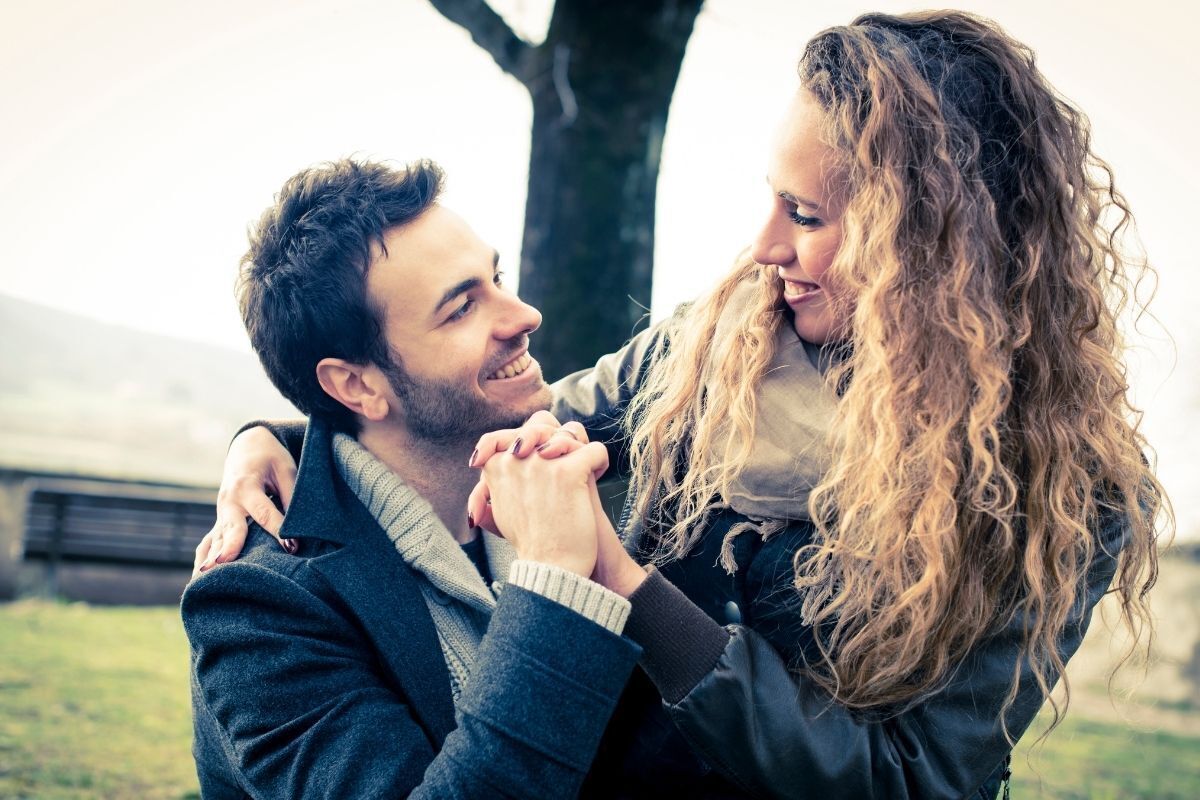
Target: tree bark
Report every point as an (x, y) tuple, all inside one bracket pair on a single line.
[(601, 86)]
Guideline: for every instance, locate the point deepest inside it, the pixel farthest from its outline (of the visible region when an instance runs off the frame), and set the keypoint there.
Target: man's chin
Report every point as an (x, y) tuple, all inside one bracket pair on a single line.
[(540, 400)]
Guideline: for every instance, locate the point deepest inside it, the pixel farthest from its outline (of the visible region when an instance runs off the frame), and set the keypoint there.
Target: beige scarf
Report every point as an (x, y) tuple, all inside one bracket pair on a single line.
[(790, 451)]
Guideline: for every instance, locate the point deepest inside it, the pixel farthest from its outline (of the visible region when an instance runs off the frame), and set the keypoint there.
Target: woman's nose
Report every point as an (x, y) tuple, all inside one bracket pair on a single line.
[(772, 246)]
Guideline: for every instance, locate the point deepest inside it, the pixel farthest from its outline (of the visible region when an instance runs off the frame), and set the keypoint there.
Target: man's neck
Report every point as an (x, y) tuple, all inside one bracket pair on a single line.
[(439, 473)]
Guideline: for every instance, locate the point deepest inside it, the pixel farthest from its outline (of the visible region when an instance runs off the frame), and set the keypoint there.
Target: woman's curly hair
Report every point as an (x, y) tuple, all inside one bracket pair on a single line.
[(984, 437)]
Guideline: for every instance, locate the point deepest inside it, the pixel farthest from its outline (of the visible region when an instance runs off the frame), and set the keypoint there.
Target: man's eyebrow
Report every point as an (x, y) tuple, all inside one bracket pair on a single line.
[(465, 285), (794, 199), (455, 290)]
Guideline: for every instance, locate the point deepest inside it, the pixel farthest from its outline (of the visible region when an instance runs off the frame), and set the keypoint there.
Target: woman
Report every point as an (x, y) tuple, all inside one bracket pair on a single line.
[(944, 236)]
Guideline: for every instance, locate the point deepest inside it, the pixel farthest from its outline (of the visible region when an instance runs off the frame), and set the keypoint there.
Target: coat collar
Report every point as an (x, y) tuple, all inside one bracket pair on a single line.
[(365, 569)]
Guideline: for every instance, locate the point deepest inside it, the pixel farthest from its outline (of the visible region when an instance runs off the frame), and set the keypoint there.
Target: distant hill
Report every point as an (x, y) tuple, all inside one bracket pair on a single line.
[(82, 397)]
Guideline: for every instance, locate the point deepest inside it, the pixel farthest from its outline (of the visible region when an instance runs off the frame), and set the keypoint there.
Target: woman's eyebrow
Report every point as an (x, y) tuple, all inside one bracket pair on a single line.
[(800, 201), (794, 199)]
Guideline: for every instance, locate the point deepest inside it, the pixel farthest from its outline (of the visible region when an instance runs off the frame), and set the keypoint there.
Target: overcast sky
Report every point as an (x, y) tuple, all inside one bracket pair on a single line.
[(141, 137)]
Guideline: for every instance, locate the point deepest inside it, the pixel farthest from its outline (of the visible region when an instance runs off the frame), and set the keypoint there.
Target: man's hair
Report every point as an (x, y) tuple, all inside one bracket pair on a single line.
[(302, 285)]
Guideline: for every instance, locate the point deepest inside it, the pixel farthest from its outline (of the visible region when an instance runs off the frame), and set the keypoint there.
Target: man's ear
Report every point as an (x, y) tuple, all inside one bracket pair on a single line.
[(361, 388)]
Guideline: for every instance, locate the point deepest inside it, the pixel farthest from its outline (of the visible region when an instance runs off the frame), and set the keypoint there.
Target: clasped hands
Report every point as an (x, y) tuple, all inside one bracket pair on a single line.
[(537, 489)]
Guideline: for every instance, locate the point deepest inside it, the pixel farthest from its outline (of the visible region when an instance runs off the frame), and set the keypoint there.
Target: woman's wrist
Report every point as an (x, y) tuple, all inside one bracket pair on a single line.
[(623, 577)]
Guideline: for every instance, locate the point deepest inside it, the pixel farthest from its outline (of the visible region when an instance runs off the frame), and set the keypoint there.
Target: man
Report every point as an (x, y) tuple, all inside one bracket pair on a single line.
[(386, 658)]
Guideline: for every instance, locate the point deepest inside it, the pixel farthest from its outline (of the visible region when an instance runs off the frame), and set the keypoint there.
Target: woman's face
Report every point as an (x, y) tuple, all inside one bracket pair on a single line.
[(804, 228)]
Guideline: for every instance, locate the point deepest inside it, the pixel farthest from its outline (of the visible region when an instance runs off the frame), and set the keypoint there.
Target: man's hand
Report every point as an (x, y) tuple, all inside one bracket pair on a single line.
[(548, 508), (542, 435), (255, 465)]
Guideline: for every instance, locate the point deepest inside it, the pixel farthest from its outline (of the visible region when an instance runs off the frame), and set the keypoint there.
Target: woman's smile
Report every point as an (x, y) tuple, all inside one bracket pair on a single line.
[(797, 292)]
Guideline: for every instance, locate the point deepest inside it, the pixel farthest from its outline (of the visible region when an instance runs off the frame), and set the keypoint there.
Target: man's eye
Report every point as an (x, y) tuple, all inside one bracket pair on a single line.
[(462, 310)]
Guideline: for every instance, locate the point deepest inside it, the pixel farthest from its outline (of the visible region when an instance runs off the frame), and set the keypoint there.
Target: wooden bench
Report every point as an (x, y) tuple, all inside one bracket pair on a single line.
[(121, 523)]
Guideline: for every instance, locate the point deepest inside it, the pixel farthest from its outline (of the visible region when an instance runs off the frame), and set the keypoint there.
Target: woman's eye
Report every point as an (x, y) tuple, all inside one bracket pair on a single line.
[(803, 221), (498, 278)]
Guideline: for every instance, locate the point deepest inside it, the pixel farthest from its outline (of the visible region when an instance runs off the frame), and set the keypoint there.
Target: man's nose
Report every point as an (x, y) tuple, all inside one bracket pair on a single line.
[(519, 319)]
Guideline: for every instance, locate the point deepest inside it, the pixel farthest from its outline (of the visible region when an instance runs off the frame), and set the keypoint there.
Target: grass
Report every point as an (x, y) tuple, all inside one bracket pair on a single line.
[(94, 704), (1088, 760)]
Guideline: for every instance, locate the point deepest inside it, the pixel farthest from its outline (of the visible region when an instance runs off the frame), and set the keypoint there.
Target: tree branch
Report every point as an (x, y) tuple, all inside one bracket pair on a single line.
[(514, 55)]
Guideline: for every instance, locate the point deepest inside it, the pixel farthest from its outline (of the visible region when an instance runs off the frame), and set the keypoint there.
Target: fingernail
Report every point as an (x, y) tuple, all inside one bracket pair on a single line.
[(290, 545), (474, 455), (470, 520), (541, 447), (516, 446)]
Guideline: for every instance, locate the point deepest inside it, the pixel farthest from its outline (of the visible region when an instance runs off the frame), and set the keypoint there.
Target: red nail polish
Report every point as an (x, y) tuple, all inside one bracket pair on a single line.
[(474, 455), (470, 520), (516, 446)]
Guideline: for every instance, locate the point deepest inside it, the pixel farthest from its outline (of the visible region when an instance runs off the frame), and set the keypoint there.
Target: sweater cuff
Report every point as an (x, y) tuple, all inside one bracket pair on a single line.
[(680, 643), (585, 597)]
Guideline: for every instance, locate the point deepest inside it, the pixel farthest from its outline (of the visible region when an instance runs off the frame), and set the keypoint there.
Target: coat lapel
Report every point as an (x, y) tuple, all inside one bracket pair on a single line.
[(368, 573)]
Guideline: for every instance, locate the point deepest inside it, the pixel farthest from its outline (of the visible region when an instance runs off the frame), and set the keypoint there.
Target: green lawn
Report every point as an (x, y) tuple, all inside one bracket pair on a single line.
[(94, 704), (1087, 760)]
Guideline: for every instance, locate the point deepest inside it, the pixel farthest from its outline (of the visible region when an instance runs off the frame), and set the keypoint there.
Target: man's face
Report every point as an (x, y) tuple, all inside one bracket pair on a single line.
[(459, 338)]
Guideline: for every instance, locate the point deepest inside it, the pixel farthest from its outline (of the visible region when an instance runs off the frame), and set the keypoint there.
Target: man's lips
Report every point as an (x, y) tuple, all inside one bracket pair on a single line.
[(513, 367)]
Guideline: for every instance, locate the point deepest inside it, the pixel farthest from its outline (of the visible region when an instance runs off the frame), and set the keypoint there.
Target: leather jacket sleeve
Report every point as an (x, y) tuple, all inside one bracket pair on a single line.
[(598, 396), (778, 735), (289, 432)]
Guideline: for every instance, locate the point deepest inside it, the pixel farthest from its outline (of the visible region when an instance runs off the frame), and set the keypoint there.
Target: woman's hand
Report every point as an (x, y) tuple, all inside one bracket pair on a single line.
[(542, 433), (548, 508), (615, 568), (255, 465)]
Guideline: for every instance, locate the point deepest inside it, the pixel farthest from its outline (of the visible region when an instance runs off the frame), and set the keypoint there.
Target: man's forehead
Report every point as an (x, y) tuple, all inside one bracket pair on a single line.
[(423, 260)]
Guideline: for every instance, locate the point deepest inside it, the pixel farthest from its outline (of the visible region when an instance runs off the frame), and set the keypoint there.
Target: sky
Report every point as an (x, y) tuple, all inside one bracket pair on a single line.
[(141, 137)]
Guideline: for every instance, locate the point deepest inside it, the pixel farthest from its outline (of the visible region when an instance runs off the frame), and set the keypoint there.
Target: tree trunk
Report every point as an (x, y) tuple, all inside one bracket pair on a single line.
[(600, 103), (601, 85)]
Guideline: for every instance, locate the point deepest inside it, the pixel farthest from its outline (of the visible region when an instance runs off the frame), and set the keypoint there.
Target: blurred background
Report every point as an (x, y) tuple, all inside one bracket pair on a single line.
[(141, 137)]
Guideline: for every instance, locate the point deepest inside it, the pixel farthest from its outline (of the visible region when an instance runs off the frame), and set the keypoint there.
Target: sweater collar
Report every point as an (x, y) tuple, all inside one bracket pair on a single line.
[(419, 536)]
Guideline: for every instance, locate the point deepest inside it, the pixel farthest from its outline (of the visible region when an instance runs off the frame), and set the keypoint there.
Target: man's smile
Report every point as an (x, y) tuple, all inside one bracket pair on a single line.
[(513, 368)]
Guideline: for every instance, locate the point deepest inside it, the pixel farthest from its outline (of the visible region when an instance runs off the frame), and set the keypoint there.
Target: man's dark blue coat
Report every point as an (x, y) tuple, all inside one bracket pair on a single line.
[(321, 676)]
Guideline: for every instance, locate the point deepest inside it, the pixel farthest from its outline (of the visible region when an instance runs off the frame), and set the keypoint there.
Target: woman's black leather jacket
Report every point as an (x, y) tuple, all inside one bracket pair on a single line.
[(723, 650)]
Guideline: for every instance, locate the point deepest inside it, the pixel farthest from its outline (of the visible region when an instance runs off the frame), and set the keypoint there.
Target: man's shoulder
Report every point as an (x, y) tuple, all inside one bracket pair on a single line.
[(263, 551), (263, 570)]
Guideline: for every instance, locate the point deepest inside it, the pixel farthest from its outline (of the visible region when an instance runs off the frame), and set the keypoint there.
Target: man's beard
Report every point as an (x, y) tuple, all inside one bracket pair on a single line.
[(447, 412)]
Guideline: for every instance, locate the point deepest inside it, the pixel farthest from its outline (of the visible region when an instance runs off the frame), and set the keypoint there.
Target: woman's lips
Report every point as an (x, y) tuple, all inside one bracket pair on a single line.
[(797, 292)]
